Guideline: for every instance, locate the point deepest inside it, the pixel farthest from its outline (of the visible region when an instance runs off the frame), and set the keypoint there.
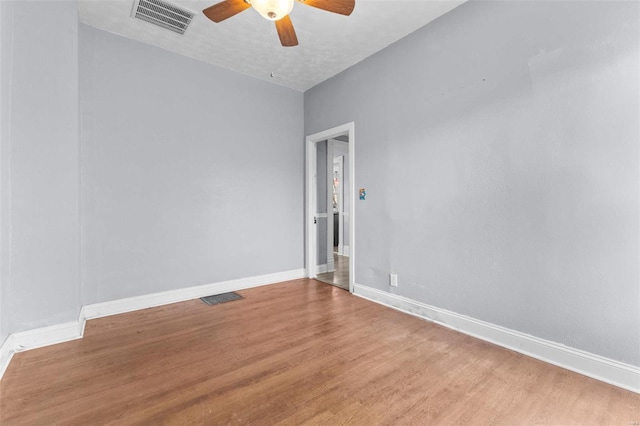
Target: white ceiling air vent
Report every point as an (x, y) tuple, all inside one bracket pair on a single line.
[(164, 14)]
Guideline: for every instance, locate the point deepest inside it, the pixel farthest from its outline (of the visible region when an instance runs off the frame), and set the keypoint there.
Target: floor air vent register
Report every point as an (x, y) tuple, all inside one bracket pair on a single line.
[(221, 298)]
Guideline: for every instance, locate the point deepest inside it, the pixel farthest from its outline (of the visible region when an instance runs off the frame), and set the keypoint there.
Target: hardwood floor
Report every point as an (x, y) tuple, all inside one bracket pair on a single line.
[(300, 352), (340, 277)]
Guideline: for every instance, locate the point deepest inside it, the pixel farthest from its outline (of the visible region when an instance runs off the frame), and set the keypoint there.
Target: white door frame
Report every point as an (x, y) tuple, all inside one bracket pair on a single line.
[(311, 236)]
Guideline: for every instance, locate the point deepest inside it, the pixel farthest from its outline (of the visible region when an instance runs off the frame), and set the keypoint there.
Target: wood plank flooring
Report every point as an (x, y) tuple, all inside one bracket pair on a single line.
[(299, 352), (339, 277)]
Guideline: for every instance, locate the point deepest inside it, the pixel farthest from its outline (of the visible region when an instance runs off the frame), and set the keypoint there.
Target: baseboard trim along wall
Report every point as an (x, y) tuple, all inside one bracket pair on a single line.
[(45, 336), (6, 353), (600, 368), (343, 251), (130, 304)]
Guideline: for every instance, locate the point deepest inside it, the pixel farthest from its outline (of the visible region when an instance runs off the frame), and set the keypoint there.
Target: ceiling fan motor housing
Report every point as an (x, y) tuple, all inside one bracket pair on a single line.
[(272, 10)]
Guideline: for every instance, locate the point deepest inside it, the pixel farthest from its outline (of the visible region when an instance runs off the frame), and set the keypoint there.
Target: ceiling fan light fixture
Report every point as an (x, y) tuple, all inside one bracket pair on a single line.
[(273, 10)]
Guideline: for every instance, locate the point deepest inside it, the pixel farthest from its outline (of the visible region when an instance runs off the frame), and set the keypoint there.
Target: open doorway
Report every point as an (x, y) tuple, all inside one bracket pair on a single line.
[(330, 193), (333, 268)]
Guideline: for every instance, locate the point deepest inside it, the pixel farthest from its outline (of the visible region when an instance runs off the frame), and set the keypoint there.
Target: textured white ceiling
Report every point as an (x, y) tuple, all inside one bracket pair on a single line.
[(249, 44)]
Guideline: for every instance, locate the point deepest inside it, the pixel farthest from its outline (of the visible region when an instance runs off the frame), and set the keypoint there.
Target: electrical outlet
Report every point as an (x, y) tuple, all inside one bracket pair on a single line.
[(393, 280)]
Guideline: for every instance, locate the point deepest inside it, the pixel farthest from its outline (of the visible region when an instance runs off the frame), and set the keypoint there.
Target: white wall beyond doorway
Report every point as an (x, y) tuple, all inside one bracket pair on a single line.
[(340, 158)]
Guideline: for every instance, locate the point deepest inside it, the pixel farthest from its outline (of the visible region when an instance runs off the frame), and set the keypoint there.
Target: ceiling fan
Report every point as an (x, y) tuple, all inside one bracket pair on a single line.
[(278, 11)]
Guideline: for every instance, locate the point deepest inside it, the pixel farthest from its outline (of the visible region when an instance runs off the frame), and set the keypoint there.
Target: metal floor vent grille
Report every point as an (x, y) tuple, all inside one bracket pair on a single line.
[(163, 14), (221, 298)]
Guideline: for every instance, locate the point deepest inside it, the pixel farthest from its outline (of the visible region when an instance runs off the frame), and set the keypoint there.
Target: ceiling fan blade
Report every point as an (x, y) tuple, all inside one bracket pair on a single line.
[(343, 7), (286, 32), (225, 9)]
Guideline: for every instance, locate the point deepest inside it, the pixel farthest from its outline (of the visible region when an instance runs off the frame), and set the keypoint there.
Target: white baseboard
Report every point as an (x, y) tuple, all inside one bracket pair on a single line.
[(45, 336), (130, 304), (323, 268), (600, 368), (343, 251), (6, 353), (39, 337)]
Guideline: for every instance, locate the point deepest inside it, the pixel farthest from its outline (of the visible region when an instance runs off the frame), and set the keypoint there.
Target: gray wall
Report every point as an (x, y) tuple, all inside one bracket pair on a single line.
[(499, 149), (177, 174), (6, 28), (191, 174), (40, 196)]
